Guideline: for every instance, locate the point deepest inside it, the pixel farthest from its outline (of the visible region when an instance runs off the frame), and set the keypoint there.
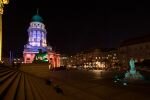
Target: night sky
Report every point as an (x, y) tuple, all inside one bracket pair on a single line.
[(75, 26)]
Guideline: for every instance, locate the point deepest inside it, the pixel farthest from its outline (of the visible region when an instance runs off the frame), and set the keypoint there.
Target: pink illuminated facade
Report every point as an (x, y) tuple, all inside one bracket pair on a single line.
[(37, 41)]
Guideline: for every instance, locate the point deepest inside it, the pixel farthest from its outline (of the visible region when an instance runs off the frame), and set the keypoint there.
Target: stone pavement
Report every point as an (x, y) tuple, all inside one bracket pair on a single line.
[(30, 83), (18, 85)]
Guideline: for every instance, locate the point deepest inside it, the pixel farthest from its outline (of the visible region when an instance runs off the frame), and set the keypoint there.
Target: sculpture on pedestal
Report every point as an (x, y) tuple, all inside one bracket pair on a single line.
[(132, 74)]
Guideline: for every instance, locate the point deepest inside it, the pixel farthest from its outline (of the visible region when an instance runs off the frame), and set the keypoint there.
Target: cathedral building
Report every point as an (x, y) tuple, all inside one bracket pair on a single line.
[(37, 42)]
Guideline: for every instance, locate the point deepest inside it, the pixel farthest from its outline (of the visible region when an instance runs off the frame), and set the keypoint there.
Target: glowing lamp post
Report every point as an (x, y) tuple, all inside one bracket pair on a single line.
[(2, 2)]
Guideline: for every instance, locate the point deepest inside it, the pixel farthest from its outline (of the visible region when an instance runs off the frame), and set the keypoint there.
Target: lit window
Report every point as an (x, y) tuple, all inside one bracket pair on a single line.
[(37, 44), (33, 43), (34, 34), (34, 39), (38, 39), (29, 39), (38, 34)]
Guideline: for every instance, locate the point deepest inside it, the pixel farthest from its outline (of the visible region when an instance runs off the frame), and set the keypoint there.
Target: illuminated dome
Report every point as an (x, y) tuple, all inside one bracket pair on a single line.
[(37, 18)]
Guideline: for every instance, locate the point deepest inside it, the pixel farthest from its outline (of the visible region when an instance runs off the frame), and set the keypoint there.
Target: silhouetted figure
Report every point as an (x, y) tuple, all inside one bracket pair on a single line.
[(58, 89)]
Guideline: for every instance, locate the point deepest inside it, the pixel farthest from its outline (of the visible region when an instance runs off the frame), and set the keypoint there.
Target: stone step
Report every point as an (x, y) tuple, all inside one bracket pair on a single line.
[(47, 90), (36, 70), (7, 84), (40, 72), (6, 67), (21, 89), (5, 73), (19, 85), (38, 94), (8, 76), (28, 92), (3, 70), (41, 90), (13, 89)]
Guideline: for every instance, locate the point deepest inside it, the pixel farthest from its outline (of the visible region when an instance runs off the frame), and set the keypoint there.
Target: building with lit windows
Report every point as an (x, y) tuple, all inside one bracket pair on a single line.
[(137, 48), (94, 59), (37, 41)]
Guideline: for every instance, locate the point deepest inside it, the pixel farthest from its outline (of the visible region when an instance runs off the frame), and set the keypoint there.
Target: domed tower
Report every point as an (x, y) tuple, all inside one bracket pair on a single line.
[(37, 33), (37, 43), (36, 38)]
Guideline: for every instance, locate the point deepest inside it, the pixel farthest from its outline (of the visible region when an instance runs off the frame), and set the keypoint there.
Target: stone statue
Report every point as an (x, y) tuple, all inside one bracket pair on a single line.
[(132, 64), (132, 74)]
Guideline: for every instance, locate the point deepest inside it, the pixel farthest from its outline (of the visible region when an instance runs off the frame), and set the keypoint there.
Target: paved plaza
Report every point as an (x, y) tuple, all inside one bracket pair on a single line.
[(30, 84), (100, 85)]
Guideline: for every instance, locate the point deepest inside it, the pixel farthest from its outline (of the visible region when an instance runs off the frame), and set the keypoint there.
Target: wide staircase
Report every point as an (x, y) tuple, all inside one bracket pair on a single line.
[(18, 85), (39, 70)]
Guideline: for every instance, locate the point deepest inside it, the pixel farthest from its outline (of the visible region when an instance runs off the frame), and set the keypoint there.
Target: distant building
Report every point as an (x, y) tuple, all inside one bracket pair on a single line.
[(92, 58), (63, 60), (37, 41), (137, 48), (111, 57)]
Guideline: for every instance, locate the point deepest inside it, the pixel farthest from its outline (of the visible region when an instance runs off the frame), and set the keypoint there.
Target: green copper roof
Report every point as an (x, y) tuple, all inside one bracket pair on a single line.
[(37, 18)]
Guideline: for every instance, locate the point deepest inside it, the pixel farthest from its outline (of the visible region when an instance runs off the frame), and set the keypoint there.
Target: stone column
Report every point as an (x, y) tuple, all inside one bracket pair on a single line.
[(0, 37)]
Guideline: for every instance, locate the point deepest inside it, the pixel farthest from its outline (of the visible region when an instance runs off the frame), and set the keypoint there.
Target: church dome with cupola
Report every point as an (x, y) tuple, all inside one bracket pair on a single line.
[(37, 18)]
